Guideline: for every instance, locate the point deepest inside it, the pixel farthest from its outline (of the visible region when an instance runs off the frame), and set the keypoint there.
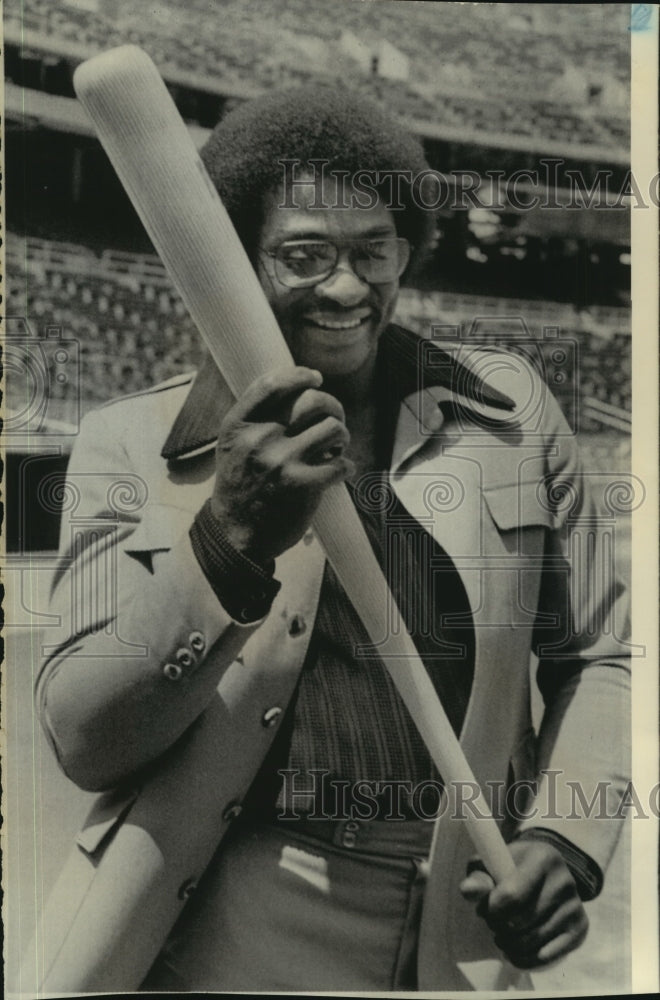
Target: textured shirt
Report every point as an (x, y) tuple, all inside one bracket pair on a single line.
[(350, 720)]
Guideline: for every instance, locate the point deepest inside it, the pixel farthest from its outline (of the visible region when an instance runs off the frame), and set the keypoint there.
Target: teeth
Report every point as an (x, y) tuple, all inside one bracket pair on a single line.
[(337, 325)]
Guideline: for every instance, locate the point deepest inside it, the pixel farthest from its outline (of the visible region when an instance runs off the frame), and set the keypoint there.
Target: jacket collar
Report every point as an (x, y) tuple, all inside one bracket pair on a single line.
[(408, 365), (195, 427)]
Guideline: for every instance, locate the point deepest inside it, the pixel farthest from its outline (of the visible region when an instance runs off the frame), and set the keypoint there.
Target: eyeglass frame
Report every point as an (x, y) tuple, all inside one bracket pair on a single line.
[(338, 246)]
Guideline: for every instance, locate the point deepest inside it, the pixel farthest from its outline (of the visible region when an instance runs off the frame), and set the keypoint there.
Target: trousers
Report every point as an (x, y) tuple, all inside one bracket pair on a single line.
[(303, 905)]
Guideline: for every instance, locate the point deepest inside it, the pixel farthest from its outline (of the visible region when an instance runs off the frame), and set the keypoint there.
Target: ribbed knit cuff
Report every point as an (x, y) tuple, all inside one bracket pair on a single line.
[(245, 589), (587, 874)]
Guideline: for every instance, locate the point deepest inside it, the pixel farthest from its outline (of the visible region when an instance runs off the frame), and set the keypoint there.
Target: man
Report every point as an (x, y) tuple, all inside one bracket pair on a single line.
[(206, 607)]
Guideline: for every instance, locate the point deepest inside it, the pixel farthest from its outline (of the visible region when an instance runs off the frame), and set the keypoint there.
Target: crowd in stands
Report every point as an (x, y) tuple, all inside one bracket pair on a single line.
[(484, 68), (133, 331)]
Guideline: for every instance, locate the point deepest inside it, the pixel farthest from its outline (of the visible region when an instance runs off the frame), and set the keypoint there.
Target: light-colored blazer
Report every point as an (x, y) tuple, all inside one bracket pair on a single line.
[(143, 637)]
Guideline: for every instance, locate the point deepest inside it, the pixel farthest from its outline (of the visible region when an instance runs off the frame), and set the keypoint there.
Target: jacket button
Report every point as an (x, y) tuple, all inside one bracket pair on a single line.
[(349, 837), (297, 625), (187, 888), (233, 811), (185, 657), (172, 671), (308, 537), (197, 642), (270, 717)]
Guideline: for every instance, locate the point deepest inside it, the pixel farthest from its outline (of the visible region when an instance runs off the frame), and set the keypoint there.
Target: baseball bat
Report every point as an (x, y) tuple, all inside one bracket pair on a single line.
[(151, 150)]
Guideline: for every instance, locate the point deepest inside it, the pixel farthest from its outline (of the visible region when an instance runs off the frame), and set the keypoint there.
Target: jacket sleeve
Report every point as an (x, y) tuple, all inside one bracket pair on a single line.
[(142, 640), (582, 642)]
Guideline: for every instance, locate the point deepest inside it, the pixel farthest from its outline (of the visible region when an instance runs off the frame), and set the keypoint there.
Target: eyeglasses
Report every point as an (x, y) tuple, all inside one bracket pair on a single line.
[(300, 263)]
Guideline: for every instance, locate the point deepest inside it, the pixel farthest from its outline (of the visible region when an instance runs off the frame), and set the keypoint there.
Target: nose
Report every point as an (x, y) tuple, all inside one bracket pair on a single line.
[(343, 286)]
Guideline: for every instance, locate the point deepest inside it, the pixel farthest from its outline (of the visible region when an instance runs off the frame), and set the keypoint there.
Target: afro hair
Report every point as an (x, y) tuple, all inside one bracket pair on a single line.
[(243, 154)]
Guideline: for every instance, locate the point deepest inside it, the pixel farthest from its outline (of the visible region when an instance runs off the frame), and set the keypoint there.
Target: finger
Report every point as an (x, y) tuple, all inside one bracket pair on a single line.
[(267, 392), (569, 917), (562, 945), (476, 886), (322, 475), (281, 459), (568, 923), (540, 880), (554, 950), (326, 437), (529, 900), (309, 408), (510, 901)]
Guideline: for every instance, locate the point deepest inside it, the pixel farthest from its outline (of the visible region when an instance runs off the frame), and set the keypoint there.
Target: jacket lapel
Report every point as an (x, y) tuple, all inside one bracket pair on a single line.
[(195, 428), (410, 369)]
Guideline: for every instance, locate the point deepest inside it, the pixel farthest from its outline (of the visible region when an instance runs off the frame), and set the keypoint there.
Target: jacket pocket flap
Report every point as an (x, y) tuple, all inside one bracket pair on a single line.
[(158, 530), (519, 505), (107, 813)]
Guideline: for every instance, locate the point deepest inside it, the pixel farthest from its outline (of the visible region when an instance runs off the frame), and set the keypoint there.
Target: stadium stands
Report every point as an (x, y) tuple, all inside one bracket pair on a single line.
[(470, 86), (131, 328), (584, 355), (458, 79), (133, 331)]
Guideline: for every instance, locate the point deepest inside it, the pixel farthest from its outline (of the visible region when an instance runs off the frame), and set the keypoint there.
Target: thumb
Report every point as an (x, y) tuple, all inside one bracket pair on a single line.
[(476, 886)]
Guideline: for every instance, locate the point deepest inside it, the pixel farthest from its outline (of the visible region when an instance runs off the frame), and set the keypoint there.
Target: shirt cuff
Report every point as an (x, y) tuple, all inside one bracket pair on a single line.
[(587, 874), (245, 589)]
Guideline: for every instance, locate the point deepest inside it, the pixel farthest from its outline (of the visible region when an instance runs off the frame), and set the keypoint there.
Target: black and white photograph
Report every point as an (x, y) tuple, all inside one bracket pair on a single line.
[(330, 498)]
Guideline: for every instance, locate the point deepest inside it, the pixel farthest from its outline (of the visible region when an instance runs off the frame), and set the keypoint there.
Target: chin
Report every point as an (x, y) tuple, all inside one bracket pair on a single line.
[(338, 362), (332, 357)]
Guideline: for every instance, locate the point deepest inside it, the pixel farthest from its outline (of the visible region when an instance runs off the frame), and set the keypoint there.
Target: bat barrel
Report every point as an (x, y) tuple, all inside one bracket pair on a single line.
[(151, 150)]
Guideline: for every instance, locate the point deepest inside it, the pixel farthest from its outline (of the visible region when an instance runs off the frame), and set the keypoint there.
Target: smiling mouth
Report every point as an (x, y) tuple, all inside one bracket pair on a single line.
[(333, 323)]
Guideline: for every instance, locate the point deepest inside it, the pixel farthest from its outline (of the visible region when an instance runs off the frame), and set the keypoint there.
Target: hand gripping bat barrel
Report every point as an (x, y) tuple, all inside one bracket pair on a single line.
[(151, 150)]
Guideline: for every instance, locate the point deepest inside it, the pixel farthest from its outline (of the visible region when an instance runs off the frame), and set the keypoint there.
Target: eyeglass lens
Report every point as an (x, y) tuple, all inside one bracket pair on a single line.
[(300, 262)]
